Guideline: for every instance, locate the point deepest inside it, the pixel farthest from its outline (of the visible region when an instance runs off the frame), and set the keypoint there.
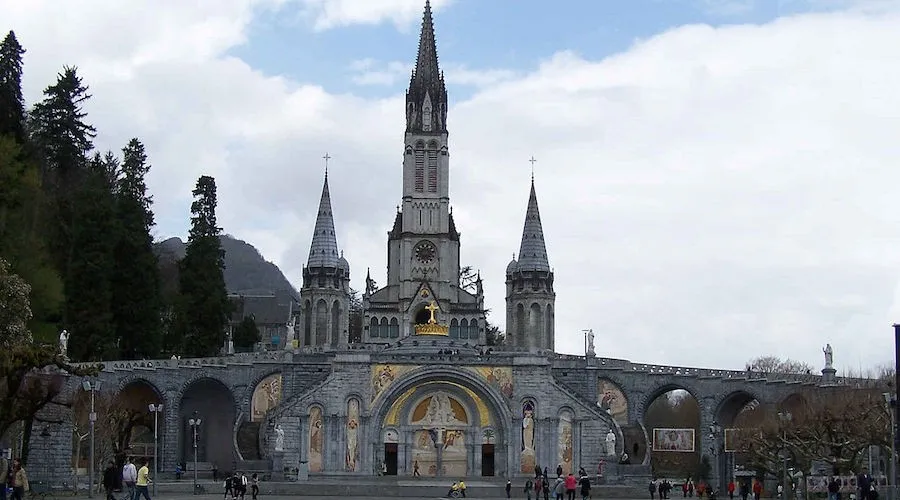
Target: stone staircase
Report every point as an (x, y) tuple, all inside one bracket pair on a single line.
[(398, 487), (248, 440)]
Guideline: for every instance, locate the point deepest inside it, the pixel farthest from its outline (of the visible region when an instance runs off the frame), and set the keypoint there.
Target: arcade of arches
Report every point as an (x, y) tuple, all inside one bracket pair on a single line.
[(446, 418)]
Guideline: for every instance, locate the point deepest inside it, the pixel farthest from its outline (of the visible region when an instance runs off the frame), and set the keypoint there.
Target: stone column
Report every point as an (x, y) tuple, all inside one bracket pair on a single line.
[(709, 444), (170, 431)]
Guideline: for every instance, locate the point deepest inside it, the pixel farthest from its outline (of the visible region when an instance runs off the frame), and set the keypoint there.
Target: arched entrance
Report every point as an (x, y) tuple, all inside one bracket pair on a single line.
[(441, 422), (210, 401)]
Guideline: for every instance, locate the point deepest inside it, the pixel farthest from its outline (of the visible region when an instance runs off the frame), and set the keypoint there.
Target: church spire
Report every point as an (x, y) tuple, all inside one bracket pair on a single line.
[(426, 99), (426, 70), (533, 250), (323, 252)]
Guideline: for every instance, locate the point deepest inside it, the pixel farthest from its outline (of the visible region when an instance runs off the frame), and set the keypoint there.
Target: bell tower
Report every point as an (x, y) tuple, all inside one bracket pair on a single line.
[(423, 262)]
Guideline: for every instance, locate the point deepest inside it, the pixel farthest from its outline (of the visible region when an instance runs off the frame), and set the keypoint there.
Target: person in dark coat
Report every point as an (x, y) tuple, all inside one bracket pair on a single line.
[(110, 474)]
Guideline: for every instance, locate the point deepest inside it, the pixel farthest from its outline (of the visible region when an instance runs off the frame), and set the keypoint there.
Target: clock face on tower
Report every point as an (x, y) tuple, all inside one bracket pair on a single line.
[(425, 252)]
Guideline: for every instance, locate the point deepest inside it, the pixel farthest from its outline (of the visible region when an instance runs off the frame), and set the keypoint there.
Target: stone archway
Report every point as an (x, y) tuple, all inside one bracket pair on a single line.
[(213, 403), (446, 421), (139, 436)]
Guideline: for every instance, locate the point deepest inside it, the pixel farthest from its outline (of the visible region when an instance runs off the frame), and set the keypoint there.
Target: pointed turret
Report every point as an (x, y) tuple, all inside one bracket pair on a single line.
[(426, 99), (530, 299), (323, 252), (325, 294), (533, 250)]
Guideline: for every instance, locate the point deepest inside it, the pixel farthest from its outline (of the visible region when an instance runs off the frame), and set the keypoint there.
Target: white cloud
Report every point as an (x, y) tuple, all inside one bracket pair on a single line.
[(372, 72), (327, 14), (707, 196)]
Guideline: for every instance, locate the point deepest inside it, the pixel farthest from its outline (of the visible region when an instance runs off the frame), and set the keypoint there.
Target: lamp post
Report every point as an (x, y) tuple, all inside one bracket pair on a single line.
[(195, 428), (155, 410), (715, 431), (91, 386), (891, 403), (785, 417)]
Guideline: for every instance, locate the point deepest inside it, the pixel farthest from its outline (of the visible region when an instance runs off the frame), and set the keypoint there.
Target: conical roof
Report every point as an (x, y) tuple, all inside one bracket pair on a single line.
[(533, 250), (323, 252)]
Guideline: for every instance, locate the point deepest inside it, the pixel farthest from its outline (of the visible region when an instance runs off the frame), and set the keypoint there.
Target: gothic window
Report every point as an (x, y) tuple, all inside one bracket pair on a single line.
[(385, 329), (307, 323), (420, 170), (395, 328), (321, 337), (335, 322), (535, 323), (520, 325), (426, 113), (473, 329), (454, 329), (464, 329), (373, 328), (432, 171)]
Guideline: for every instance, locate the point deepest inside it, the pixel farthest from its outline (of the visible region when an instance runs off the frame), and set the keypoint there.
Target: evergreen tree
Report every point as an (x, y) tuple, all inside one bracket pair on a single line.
[(59, 131), (12, 104), (135, 282), (22, 239), (89, 289), (204, 306), (246, 335)]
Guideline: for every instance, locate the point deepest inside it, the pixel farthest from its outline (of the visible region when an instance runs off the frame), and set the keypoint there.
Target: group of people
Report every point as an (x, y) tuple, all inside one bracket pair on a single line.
[(12, 477), (136, 480), (662, 487), (563, 487), (236, 485)]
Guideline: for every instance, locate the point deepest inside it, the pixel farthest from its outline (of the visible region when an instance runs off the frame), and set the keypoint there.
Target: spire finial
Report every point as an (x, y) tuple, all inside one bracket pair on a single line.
[(532, 161), (326, 158)]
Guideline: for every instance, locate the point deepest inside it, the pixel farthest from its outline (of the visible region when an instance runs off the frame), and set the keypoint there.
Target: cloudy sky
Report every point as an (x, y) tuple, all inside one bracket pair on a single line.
[(716, 177)]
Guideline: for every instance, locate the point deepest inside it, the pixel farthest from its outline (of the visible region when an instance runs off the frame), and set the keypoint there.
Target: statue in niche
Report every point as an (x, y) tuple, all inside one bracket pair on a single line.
[(279, 438), (352, 435), (610, 443), (829, 356), (528, 430)]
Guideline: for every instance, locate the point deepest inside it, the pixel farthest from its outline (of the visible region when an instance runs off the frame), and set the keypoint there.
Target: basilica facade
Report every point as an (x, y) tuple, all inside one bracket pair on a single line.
[(420, 391), (433, 402)]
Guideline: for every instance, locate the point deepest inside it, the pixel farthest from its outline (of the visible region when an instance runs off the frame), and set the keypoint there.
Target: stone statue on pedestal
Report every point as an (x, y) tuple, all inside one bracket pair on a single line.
[(64, 343), (829, 356), (279, 438), (589, 350), (611, 443)]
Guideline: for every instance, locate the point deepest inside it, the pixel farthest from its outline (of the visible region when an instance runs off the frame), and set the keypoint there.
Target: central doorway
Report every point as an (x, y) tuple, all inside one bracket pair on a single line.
[(390, 459), (487, 460)]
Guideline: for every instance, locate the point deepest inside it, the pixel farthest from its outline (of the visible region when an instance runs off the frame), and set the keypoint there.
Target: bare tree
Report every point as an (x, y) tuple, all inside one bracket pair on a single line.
[(829, 425), (117, 418), (774, 364), (467, 279)]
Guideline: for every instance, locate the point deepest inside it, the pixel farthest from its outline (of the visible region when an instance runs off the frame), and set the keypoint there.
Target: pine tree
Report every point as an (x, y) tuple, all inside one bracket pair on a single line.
[(62, 136), (22, 240), (135, 282), (246, 335), (89, 291), (12, 104), (204, 307)]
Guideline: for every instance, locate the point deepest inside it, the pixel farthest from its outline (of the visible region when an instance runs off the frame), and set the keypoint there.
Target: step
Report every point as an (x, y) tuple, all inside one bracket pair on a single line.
[(354, 486)]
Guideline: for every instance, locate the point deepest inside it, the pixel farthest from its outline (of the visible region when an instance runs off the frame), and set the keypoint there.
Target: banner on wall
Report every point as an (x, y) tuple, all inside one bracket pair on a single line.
[(676, 440), (732, 440)]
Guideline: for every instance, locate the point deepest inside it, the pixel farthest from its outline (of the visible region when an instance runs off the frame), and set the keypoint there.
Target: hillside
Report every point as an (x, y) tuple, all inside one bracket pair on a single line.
[(246, 270)]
